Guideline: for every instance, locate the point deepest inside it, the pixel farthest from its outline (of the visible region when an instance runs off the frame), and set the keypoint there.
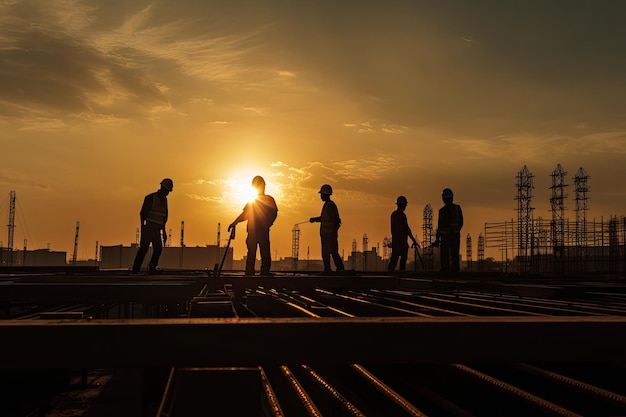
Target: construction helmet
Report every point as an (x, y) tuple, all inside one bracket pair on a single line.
[(447, 193), (168, 184), (258, 182), (402, 200), (326, 189)]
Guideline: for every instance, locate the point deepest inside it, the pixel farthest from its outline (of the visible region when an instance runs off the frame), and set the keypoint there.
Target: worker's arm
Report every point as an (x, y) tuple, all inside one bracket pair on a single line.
[(242, 217), (145, 209)]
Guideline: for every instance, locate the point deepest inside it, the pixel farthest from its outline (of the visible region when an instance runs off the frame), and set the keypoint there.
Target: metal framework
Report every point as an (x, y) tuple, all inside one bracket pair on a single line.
[(557, 207), (11, 227), (295, 246), (582, 188), (604, 253), (480, 253), (468, 251), (524, 211), (427, 237)]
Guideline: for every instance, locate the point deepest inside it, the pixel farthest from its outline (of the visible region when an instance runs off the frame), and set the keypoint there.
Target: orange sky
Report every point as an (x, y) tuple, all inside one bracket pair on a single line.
[(100, 100)]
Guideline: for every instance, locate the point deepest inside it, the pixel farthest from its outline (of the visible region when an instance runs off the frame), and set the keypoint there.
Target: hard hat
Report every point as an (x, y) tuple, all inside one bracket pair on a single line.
[(326, 189), (258, 181), (402, 200), (168, 184), (447, 193)]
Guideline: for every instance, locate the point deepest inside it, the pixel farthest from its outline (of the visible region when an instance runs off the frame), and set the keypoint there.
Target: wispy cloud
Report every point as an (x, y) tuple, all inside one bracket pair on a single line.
[(16, 179), (370, 127)]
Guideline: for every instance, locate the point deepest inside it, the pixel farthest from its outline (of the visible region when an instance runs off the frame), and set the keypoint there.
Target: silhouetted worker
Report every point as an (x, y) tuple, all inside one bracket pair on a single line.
[(330, 223), (448, 234), (400, 232), (260, 214), (153, 216)]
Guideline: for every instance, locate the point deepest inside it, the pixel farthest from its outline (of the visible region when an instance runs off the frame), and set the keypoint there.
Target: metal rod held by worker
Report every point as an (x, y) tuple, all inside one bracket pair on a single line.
[(231, 237)]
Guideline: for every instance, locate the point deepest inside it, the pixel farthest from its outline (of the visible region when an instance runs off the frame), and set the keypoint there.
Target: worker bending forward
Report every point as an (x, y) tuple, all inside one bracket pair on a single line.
[(329, 225), (153, 216)]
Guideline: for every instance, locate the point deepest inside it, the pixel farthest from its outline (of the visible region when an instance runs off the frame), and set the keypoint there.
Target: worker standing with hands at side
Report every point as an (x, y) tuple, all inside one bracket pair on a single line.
[(400, 231), (329, 226), (153, 216), (449, 226)]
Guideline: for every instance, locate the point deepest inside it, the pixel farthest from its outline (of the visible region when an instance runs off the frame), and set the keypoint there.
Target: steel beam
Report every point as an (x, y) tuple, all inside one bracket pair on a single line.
[(99, 292), (304, 282), (251, 342)]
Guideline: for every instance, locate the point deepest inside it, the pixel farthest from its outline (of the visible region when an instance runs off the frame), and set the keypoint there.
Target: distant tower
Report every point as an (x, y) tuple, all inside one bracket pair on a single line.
[(427, 237), (353, 253), (96, 258), (218, 255), (295, 246), (582, 188), (427, 226), (365, 249), (11, 227), (75, 243), (557, 203), (182, 245), (386, 248), (481, 252), (524, 211), (137, 236), (468, 251)]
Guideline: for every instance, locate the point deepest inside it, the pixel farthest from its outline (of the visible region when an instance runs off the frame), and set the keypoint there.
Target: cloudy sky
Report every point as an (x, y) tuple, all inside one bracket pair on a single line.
[(101, 99)]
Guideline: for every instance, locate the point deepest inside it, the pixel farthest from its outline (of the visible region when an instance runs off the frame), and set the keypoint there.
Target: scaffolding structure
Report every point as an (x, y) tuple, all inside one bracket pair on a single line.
[(605, 252), (529, 245)]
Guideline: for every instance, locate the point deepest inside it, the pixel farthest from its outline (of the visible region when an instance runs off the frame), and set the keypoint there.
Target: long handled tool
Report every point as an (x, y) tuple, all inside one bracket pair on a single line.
[(417, 255), (217, 270)]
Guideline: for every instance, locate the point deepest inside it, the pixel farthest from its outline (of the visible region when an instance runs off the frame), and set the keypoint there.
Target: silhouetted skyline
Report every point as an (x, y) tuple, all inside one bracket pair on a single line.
[(100, 101)]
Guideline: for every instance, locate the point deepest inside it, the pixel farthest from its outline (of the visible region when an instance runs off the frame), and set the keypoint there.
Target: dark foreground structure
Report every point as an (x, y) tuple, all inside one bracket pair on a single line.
[(187, 344)]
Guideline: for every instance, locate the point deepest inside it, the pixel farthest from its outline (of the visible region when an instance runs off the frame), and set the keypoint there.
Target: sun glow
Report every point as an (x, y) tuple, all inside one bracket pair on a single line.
[(241, 191), (247, 193)]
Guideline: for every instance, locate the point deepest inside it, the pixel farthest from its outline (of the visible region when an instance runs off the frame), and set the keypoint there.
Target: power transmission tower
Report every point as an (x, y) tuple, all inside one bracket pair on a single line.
[(582, 188), (557, 204), (524, 214)]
